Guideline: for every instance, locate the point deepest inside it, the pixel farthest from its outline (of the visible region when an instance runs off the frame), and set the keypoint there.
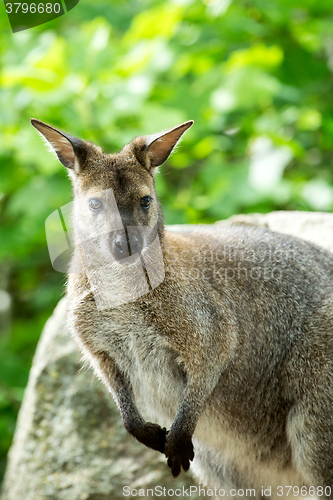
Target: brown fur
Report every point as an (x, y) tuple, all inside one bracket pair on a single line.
[(233, 349)]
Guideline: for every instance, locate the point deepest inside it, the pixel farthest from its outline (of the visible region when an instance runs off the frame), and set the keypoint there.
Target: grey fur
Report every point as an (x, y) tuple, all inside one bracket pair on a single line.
[(233, 351)]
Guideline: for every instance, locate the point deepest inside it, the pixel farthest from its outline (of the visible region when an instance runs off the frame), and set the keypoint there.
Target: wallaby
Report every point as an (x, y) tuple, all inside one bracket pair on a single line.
[(226, 339)]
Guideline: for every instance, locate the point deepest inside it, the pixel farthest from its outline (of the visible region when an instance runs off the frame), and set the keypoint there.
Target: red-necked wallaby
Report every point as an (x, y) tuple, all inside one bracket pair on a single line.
[(224, 336)]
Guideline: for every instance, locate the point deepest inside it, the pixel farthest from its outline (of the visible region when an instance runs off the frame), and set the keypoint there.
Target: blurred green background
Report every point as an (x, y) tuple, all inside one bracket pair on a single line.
[(255, 75)]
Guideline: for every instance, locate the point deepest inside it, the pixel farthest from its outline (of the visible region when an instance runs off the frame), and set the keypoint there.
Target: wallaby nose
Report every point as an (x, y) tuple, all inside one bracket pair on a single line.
[(121, 246), (125, 245), (134, 243)]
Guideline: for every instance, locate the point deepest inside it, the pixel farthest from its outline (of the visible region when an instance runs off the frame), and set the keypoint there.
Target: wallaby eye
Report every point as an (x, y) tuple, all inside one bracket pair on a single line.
[(95, 204), (145, 202)]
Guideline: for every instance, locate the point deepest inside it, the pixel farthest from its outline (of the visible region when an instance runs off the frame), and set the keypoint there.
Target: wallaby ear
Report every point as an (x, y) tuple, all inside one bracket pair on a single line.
[(71, 151), (153, 150)]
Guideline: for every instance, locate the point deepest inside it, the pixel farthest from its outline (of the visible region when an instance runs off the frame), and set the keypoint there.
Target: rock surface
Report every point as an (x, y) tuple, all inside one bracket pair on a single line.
[(70, 443)]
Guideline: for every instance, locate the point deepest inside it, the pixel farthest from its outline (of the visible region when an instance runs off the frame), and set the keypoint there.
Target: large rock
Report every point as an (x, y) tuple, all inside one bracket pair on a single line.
[(70, 443)]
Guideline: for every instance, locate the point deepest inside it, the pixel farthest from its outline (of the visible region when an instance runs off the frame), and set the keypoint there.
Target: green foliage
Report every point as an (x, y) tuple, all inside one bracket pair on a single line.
[(256, 77)]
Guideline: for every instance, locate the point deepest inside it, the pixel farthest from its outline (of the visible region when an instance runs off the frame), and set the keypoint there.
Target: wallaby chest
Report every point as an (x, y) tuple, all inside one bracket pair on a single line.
[(138, 348)]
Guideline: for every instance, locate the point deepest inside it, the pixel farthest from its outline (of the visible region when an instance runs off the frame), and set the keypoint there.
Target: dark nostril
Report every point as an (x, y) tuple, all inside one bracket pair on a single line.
[(119, 244), (125, 245), (134, 243)]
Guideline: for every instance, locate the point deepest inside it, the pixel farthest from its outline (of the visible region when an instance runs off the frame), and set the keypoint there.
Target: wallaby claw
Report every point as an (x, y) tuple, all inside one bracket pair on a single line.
[(179, 452)]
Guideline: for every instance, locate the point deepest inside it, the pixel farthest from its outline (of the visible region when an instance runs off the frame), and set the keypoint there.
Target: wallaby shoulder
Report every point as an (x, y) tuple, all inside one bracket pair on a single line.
[(244, 239)]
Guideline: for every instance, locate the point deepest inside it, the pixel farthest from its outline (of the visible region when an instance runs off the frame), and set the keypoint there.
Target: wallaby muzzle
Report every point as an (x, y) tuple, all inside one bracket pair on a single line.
[(125, 244)]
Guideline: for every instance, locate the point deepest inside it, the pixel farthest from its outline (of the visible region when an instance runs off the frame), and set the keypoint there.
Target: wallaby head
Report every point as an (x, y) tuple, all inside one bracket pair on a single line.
[(114, 192)]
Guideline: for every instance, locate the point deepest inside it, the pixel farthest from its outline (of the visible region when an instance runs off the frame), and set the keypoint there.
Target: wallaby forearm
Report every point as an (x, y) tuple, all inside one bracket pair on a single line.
[(151, 435)]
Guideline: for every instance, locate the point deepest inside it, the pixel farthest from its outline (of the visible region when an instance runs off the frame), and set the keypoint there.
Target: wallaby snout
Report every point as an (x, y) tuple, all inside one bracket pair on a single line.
[(125, 244)]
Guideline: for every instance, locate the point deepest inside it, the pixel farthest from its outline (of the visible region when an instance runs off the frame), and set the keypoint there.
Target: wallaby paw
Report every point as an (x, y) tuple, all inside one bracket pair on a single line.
[(153, 436), (179, 452)]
